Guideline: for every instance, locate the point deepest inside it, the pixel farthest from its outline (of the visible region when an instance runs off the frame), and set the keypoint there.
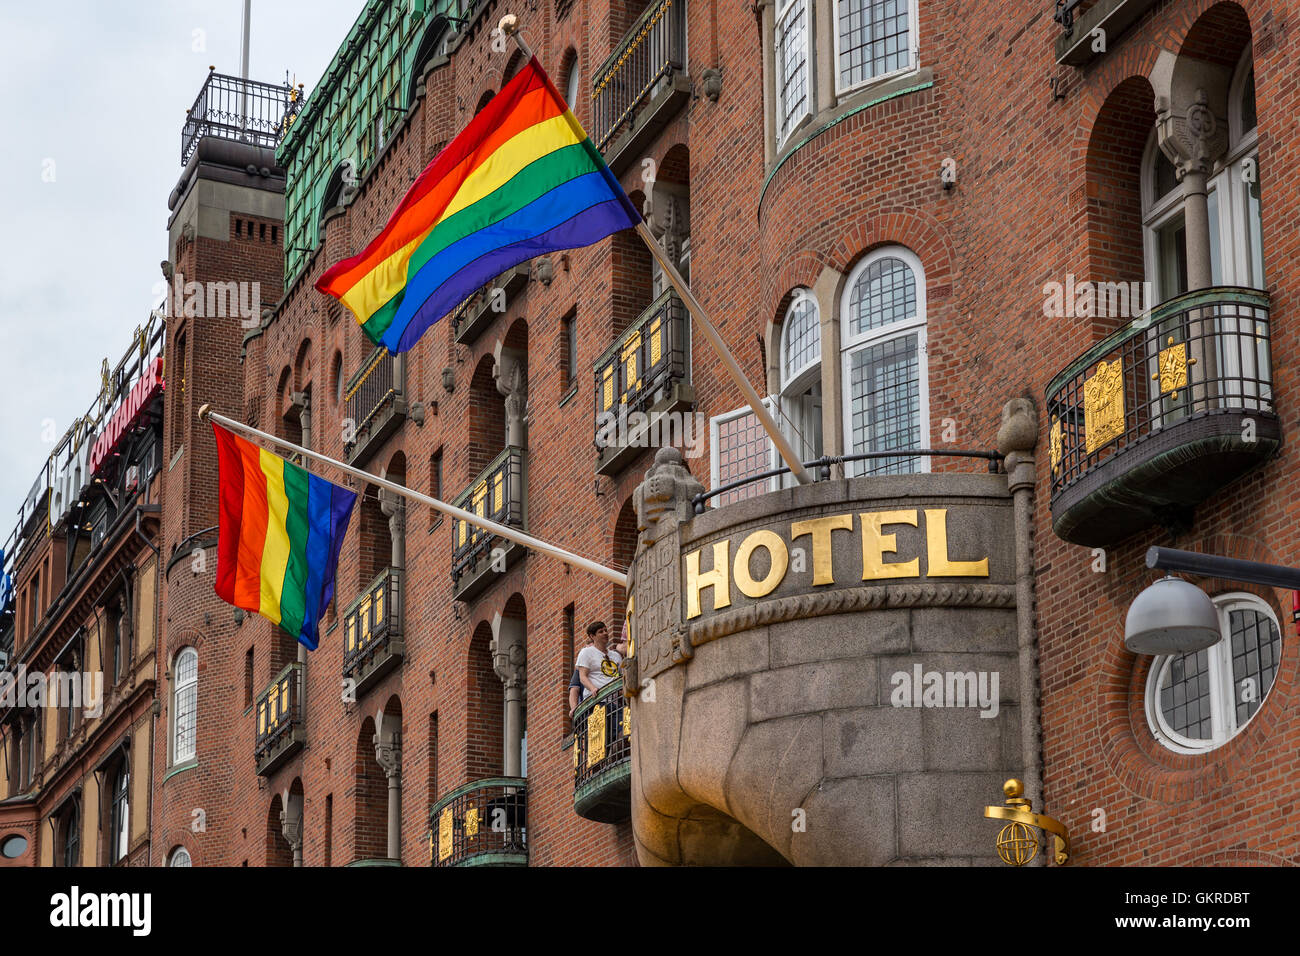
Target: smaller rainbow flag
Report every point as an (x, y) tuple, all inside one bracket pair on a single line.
[(521, 180), (280, 531)]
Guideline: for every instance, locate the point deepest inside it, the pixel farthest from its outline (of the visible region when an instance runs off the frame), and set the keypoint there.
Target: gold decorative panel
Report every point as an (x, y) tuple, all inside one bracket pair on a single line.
[(1055, 444), (1103, 405), (444, 834), (1173, 368), (471, 822), (596, 735)]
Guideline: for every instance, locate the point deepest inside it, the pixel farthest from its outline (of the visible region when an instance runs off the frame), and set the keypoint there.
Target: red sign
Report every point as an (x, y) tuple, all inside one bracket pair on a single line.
[(126, 414)]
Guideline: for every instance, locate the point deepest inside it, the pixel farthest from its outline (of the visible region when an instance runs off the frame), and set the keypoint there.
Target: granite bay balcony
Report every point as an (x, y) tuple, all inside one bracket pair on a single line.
[(642, 84), (372, 631), (483, 823), (602, 756), (498, 494), (1160, 415), (647, 369), (280, 729)]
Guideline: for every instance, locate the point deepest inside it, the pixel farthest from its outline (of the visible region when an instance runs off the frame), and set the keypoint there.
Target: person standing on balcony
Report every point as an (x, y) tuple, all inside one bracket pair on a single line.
[(598, 661)]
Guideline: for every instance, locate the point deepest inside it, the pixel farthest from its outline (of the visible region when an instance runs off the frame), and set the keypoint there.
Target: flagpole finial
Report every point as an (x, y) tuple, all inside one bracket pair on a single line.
[(204, 412), (509, 24)]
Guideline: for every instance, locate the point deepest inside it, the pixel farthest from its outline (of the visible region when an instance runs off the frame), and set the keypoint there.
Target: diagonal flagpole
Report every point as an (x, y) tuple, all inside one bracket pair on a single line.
[(509, 25), (505, 531)]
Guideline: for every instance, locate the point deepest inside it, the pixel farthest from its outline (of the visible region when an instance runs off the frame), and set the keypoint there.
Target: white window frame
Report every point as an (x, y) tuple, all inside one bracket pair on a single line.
[(573, 84), (783, 135), (179, 757), (913, 48), (851, 343), (176, 855), (794, 384), (1223, 712)]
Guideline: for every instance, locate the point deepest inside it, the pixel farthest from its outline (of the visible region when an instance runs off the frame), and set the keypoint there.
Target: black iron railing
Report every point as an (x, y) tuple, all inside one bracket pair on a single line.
[(373, 621), (279, 711), (821, 468), (483, 823), (372, 389), (1202, 353), (646, 360), (244, 111), (652, 51), (496, 494), (602, 734)]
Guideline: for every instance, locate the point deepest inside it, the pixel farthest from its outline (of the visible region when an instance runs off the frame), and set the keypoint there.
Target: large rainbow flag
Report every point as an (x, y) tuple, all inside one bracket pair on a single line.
[(521, 180), (281, 529)]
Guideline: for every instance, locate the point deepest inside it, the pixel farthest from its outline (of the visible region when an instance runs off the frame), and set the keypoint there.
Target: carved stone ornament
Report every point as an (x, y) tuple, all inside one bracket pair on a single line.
[(666, 492)]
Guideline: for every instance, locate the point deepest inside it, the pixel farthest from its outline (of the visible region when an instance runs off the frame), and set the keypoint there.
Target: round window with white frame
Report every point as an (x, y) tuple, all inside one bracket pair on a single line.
[(885, 397), (800, 365), (180, 857), (1197, 702)]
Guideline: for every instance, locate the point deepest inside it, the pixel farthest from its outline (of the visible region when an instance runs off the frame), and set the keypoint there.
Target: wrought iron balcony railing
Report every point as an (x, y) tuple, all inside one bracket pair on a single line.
[(244, 111), (484, 823), (375, 400), (279, 720), (644, 363), (372, 631), (1160, 414), (497, 494), (602, 750), (653, 50)]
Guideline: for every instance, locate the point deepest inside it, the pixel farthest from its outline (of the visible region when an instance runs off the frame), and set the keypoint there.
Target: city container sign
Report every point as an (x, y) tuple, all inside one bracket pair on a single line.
[(127, 414)]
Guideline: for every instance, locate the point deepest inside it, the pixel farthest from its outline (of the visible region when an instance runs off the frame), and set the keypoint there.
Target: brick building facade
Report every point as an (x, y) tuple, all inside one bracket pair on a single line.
[(876, 218)]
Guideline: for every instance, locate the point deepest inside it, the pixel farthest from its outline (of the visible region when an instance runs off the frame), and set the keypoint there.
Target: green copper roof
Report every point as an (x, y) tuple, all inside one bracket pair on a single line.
[(350, 113)]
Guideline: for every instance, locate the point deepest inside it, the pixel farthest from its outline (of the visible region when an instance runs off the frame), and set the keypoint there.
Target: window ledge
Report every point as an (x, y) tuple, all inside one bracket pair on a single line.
[(180, 768), (862, 98), (569, 395)]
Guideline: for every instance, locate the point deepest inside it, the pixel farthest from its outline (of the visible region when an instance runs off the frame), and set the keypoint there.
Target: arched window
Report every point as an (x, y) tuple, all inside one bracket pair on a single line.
[(1232, 200), (70, 835), (886, 397), (801, 387), (185, 704), (180, 857), (1198, 701), (793, 53), (119, 833), (337, 374), (572, 81)]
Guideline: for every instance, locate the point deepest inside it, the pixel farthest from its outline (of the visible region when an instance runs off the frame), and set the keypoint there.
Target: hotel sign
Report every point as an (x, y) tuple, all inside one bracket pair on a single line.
[(833, 551)]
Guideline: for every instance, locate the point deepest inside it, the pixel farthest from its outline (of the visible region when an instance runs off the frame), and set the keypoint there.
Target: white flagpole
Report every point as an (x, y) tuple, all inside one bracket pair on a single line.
[(509, 25), (504, 531)]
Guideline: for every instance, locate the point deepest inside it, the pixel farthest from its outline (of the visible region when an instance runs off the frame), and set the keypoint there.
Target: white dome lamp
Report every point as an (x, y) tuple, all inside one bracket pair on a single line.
[(1172, 616)]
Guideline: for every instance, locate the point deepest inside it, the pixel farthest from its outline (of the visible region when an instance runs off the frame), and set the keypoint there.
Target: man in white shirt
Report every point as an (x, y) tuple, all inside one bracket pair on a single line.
[(598, 661)]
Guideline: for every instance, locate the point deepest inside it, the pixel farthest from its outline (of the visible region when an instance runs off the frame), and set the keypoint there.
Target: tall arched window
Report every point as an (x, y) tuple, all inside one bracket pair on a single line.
[(1198, 701), (801, 387), (1233, 203), (180, 857), (185, 704), (573, 81), (119, 833), (70, 826), (882, 330)]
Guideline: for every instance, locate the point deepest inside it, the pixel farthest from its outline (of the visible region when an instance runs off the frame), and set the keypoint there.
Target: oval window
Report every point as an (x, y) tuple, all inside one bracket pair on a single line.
[(13, 847)]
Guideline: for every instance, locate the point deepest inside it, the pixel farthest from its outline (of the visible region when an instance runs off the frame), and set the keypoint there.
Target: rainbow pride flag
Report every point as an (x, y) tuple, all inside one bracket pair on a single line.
[(521, 180), (280, 531)]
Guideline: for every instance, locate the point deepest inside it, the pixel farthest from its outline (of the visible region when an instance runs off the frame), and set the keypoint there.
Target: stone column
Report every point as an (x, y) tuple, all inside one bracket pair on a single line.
[(509, 660), (394, 507), (511, 376), (388, 753), (302, 401), (1017, 437), (291, 824)]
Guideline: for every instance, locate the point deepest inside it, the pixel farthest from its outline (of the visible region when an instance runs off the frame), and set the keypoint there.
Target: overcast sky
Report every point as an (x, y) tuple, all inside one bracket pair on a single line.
[(92, 97)]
